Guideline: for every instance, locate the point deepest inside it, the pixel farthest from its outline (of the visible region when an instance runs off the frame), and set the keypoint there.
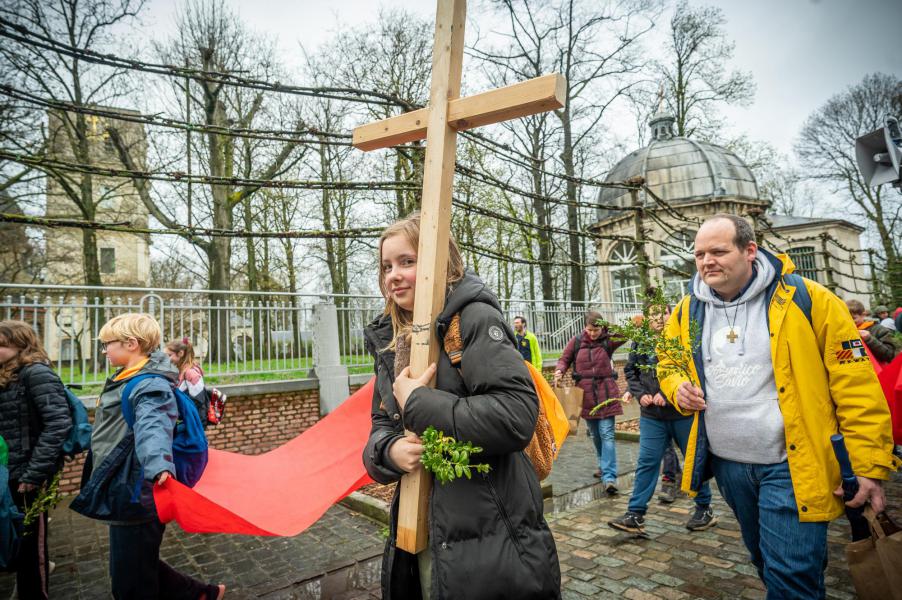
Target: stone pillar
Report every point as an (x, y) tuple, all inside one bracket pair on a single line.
[(327, 367)]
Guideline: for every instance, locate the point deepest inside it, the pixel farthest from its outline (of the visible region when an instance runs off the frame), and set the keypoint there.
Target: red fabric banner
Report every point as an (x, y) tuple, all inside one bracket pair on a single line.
[(281, 492), (890, 377), (891, 380)]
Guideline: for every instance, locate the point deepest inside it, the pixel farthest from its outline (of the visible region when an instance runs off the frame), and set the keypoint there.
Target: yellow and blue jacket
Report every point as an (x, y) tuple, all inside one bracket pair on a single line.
[(824, 386), (528, 346)]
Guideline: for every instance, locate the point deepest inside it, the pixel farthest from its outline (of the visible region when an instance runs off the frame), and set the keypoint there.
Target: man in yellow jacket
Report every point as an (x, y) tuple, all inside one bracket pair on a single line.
[(776, 369)]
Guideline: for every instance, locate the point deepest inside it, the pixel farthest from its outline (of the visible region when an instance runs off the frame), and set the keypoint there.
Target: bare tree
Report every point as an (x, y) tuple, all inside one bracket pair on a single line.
[(826, 148), (600, 72), (212, 38), (65, 76), (695, 70), (21, 259), (169, 269), (595, 46), (779, 178), (394, 59)]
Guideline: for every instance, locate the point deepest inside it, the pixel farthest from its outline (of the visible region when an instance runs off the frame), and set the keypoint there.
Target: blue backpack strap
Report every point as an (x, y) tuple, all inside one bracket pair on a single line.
[(128, 411), (697, 314), (801, 297)]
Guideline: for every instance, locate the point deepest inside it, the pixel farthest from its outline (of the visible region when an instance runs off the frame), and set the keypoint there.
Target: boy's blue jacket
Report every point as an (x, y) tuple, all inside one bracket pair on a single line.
[(117, 483)]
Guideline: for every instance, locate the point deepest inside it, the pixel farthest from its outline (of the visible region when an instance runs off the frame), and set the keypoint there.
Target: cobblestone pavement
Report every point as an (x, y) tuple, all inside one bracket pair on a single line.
[(599, 562), (339, 556), (251, 567), (573, 469)]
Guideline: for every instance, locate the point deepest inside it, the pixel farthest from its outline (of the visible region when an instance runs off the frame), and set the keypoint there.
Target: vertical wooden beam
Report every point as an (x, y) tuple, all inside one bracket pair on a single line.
[(639, 242), (876, 291), (432, 254), (828, 269)]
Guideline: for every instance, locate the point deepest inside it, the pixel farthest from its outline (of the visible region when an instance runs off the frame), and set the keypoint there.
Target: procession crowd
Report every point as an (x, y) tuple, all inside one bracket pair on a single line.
[(778, 365)]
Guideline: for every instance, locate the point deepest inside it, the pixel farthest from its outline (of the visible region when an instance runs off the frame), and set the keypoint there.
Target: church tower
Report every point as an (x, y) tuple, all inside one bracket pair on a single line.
[(124, 258)]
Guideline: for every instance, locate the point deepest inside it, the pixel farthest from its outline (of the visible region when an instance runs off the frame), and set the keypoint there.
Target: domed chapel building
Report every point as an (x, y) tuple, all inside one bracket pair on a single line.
[(696, 180)]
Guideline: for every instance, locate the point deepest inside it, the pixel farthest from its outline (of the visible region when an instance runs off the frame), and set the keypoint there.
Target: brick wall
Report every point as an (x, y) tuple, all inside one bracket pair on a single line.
[(254, 424)]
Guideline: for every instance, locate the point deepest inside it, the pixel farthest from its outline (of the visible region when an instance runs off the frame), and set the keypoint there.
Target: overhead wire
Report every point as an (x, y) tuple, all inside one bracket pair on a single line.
[(21, 34), (193, 231), (277, 135), (178, 176)]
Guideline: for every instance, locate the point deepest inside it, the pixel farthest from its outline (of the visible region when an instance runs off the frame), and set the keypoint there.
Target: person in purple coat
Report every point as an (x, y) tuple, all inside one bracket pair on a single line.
[(589, 353)]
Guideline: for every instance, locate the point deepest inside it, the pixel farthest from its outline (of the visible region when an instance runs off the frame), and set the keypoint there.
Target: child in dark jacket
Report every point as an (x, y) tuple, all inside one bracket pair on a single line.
[(124, 465), (659, 426), (30, 388), (191, 376)]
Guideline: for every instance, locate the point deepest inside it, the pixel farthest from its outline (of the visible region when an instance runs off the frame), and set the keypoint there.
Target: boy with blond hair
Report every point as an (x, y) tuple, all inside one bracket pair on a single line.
[(125, 463)]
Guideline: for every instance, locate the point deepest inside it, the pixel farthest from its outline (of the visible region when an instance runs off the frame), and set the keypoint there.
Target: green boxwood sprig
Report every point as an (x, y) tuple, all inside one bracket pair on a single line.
[(448, 459), (650, 342), (47, 499)]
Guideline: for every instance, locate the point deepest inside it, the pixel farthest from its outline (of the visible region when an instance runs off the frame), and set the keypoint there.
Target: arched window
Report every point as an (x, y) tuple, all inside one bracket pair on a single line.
[(805, 261), (678, 254), (624, 277)]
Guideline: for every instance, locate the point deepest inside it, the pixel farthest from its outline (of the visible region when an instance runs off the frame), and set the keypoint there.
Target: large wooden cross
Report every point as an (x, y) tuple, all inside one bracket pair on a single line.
[(439, 123)]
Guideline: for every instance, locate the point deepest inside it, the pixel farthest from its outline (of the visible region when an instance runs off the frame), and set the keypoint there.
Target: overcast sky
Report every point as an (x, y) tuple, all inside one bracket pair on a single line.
[(800, 52)]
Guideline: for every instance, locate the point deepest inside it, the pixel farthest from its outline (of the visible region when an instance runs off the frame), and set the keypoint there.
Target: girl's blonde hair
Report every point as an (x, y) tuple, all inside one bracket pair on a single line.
[(143, 327), (187, 360), (409, 228), (21, 336)]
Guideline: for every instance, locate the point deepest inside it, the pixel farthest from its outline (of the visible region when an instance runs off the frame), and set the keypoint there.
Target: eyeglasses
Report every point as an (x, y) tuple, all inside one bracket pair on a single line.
[(103, 345)]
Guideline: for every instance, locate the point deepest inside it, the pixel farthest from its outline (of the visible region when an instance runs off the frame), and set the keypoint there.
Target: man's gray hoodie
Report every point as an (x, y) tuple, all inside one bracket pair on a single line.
[(743, 419)]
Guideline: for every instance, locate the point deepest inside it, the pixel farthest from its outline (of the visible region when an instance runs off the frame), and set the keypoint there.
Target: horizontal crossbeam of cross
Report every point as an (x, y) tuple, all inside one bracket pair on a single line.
[(531, 97)]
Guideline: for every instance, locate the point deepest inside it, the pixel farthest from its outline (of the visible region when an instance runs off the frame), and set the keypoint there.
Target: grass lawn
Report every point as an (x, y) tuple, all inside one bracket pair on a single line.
[(223, 373), (275, 369)]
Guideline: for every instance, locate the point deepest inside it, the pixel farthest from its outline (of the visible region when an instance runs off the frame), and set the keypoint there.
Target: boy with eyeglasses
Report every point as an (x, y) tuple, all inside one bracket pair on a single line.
[(125, 463)]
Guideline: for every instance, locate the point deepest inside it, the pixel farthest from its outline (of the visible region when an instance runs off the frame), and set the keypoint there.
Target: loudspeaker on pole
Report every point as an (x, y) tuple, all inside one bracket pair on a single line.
[(879, 154)]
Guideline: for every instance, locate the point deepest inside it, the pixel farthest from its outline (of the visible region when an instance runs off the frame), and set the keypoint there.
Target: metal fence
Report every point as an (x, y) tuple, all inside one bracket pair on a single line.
[(239, 336), (632, 295)]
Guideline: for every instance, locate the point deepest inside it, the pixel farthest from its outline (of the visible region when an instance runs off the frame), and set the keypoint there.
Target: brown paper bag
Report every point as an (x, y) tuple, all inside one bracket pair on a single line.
[(876, 563), (571, 398), (888, 542)]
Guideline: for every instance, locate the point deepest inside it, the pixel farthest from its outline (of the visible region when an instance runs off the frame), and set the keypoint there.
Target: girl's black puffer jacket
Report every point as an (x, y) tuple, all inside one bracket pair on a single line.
[(34, 421), (487, 535)]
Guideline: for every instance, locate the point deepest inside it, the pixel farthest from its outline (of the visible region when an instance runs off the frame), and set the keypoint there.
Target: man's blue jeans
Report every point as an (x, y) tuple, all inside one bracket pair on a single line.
[(602, 433), (790, 555), (655, 437)]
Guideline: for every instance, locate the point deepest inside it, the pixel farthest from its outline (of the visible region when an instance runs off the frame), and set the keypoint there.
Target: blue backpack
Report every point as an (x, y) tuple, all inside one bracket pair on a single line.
[(189, 442), (79, 438)]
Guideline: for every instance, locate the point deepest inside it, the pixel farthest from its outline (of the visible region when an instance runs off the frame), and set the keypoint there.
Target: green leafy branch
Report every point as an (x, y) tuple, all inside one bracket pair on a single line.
[(447, 458), (679, 356), (601, 405), (47, 499)]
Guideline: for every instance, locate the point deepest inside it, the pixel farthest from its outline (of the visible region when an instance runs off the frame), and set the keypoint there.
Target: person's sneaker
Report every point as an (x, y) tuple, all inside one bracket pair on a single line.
[(668, 493), (702, 519), (630, 522), (610, 489), (597, 474)]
